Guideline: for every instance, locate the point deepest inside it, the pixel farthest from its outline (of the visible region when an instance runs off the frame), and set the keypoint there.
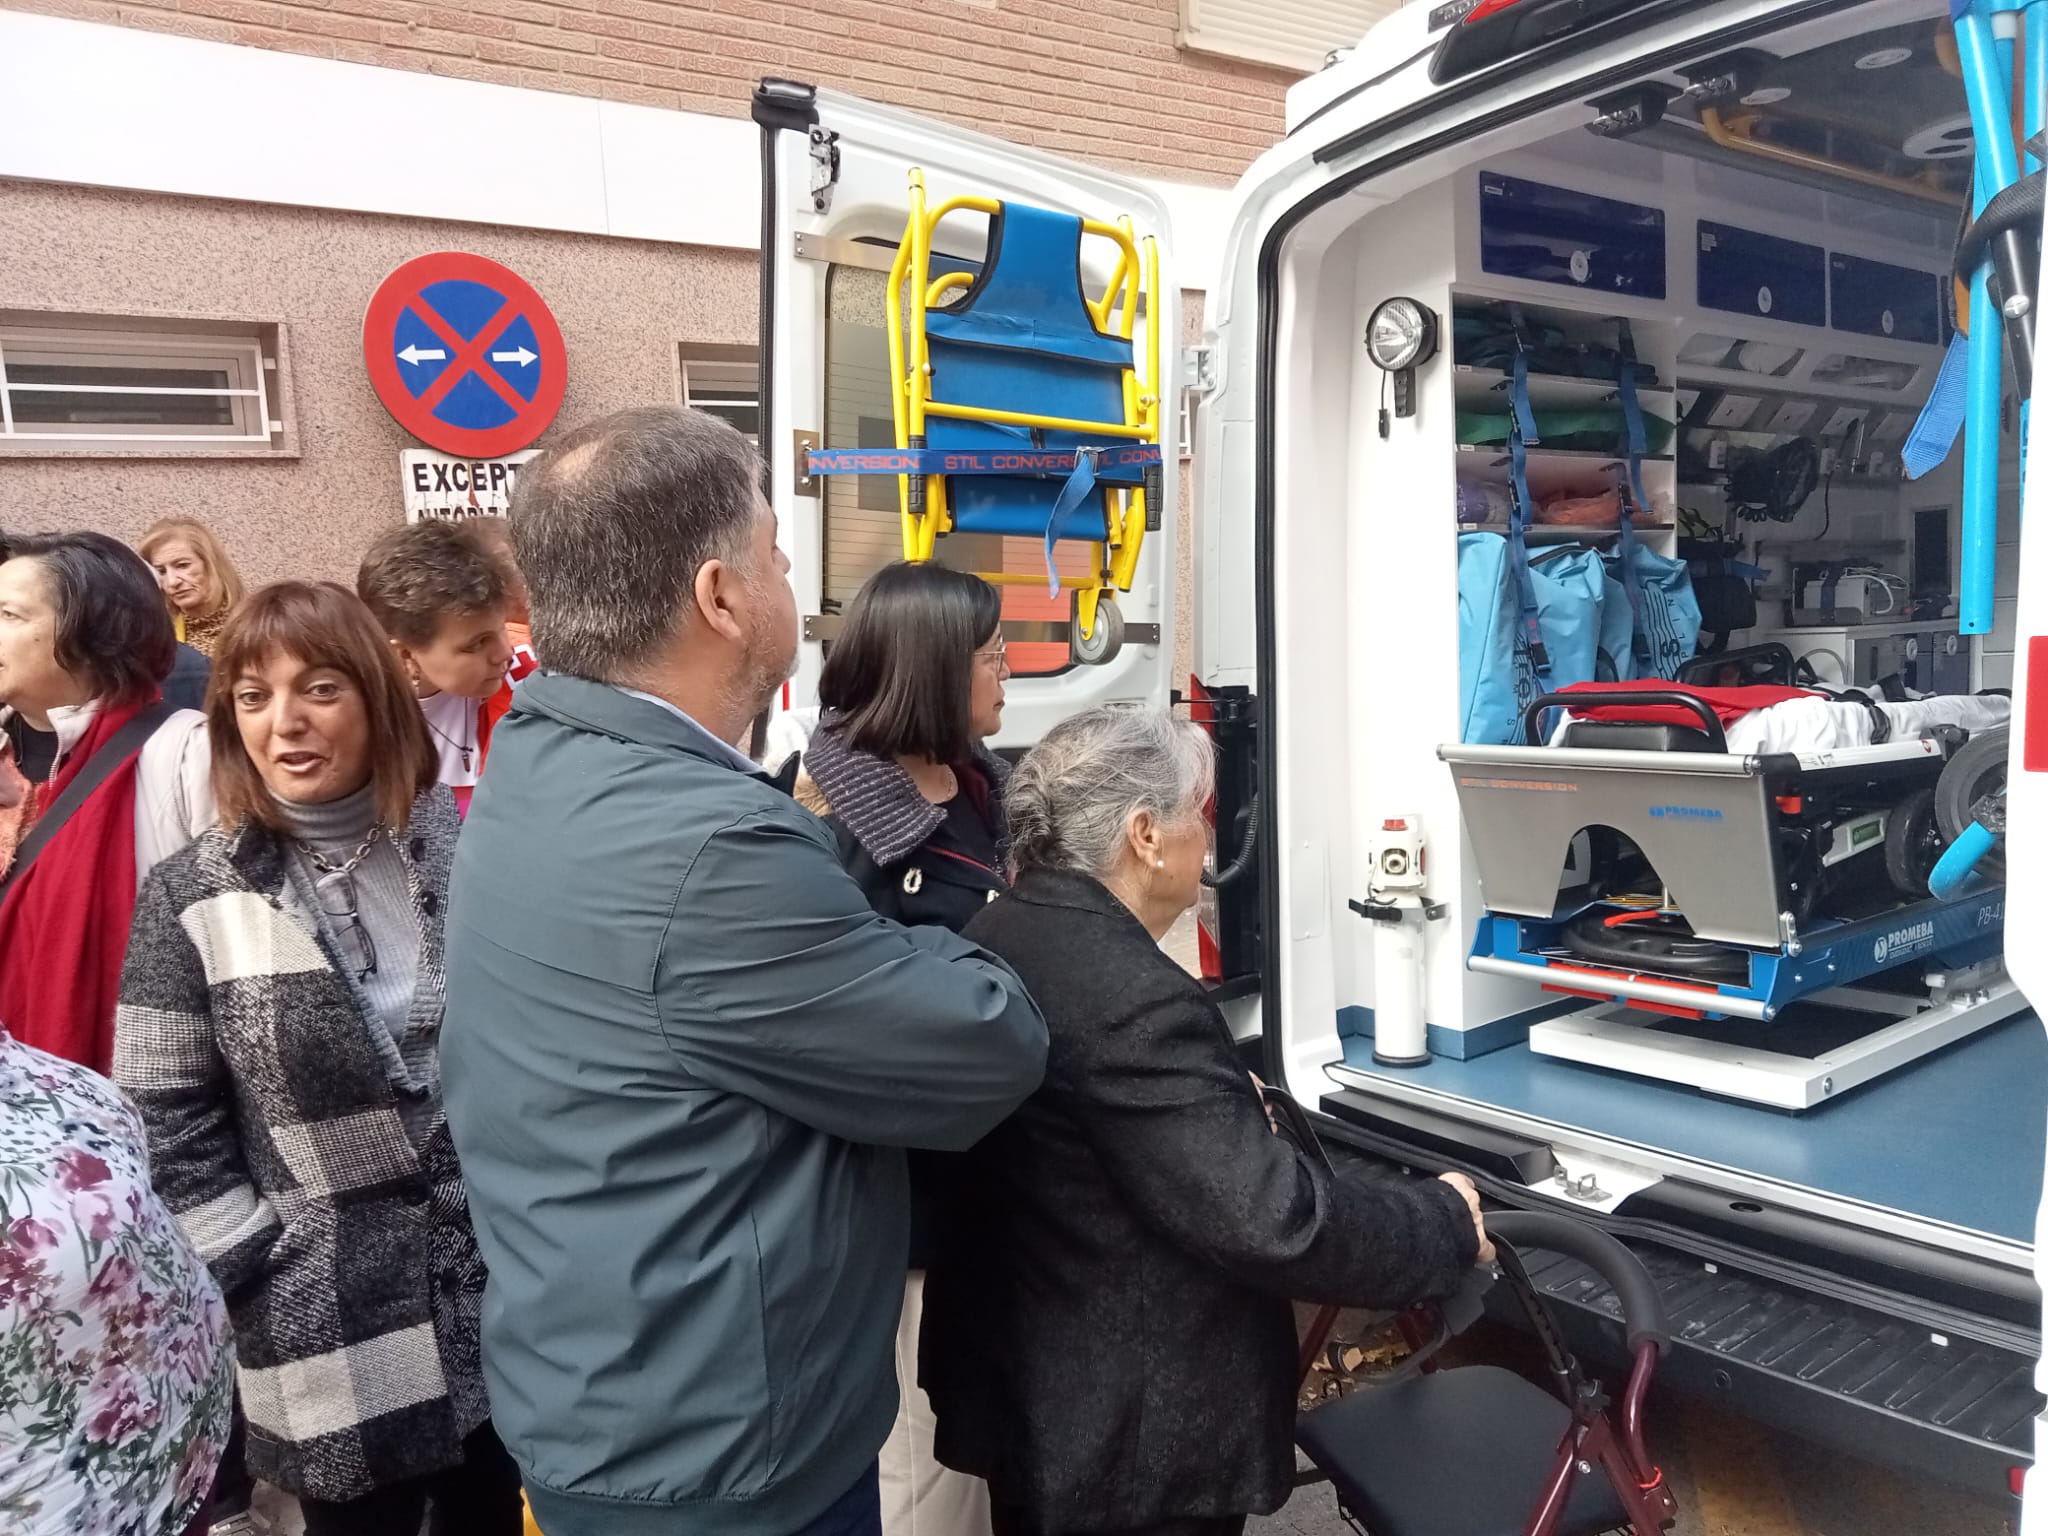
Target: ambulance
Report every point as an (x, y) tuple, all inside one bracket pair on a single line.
[(1565, 356)]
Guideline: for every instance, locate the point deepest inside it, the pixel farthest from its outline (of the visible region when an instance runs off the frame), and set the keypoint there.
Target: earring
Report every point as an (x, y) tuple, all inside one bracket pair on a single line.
[(1160, 863)]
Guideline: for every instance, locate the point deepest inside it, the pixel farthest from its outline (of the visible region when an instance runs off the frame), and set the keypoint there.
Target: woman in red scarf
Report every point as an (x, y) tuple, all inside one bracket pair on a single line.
[(85, 644)]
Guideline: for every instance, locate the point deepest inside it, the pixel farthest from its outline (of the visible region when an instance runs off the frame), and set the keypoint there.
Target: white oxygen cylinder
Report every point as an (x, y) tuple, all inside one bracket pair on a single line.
[(1400, 1034)]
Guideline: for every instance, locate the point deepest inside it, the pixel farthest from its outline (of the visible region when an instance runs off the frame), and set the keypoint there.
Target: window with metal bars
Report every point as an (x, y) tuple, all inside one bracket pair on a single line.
[(91, 386), (724, 382)]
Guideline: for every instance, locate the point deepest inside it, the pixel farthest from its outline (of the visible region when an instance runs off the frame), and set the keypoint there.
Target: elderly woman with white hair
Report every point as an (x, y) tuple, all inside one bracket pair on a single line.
[(1107, 1336)]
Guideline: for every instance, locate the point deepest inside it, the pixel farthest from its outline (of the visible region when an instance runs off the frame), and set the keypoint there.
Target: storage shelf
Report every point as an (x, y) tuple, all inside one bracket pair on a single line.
[(1552, 471), (1567, 533), (1477, 387)]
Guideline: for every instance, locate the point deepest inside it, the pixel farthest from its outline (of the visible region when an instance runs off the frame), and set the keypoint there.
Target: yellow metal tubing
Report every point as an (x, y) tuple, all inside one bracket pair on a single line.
[(1134, 280), (1031, 419), (893, 311), (1087, 600), (1015, 579), (942, 286), (1730, 137)]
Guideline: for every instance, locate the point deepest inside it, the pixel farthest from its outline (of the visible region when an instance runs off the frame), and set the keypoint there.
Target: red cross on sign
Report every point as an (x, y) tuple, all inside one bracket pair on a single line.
[(464, 355)]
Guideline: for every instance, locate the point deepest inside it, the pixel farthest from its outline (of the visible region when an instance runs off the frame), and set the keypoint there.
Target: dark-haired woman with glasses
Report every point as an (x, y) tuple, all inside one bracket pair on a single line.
[(279, 1029), (911, 691)]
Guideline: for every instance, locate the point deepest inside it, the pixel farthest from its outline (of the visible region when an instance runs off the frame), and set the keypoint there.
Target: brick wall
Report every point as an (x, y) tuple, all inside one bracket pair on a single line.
[(1040, 72)]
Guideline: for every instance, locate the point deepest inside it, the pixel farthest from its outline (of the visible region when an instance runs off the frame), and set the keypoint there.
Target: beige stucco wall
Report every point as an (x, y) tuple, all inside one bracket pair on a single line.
[(623, 307)]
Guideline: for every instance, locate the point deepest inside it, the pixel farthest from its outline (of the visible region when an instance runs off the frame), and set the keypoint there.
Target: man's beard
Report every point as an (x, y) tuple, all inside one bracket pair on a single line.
[(771, 662)]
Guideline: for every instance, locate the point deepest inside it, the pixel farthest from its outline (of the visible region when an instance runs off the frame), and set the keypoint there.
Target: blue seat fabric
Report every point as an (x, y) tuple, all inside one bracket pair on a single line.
[(1022, 340)]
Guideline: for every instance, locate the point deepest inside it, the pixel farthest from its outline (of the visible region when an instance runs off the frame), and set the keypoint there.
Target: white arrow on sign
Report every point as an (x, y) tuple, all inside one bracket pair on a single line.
[(522, 357), (423, 355)]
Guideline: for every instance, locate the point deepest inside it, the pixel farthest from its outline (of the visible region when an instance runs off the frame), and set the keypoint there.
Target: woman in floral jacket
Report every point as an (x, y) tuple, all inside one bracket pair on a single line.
[(115, 1370)]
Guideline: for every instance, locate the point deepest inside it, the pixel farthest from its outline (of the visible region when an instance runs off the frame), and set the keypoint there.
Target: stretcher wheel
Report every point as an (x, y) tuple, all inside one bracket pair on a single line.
[(1974, 775), (1913, 844), (1101, 647)]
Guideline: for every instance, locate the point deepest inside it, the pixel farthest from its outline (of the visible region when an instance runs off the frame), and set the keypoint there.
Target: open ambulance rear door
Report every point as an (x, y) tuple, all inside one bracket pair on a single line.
[(836, 175), (2026, 880)]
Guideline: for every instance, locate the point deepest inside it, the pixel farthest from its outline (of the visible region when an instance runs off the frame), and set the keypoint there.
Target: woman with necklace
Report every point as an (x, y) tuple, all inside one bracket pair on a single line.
[(911, 691), (200, 583), (279, 1030)]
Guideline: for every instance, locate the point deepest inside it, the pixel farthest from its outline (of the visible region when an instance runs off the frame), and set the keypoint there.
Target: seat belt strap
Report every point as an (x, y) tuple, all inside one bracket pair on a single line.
[(1633, 499), (1124, 464), (1077, 489), (1521, 433), (1933, 436)]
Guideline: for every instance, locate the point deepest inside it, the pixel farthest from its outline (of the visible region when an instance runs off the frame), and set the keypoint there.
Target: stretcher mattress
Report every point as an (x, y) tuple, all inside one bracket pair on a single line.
[(1816, 724)]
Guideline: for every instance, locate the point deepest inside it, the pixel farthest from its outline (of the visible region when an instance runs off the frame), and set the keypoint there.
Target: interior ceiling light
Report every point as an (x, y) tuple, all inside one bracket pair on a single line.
[(1949, 139), (1768, 96), (1884, 58)]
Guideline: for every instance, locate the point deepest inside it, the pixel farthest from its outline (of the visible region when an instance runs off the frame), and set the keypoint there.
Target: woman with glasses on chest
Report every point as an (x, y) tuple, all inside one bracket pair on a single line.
[(279, 1029)]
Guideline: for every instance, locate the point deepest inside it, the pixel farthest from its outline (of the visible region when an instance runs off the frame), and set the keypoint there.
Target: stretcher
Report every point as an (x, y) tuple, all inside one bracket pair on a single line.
[(1022, 407), (1706, 898)]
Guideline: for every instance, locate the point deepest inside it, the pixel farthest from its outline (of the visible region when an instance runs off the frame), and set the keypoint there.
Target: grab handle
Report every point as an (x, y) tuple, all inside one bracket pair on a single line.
[(1642, 1309), (1709, 721)]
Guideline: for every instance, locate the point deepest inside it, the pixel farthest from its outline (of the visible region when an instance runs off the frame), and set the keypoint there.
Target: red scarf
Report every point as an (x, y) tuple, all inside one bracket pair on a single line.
[(64, 923)]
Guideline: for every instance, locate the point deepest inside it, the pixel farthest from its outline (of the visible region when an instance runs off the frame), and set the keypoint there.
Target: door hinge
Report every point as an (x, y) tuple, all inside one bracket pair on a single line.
[(824, 168), (1198, 370), (806, 483)]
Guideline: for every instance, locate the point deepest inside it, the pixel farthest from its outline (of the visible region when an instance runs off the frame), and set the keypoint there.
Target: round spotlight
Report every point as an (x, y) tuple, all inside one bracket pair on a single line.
[(1949, 139), (1401, 335), (1884, 58), (1767, 96)]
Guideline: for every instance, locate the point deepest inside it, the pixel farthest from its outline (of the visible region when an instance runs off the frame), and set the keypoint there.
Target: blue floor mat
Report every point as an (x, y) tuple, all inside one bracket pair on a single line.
[(1956, 1138)]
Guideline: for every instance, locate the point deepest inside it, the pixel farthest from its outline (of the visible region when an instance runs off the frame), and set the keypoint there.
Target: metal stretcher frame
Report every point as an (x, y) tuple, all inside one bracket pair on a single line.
[(922, 498), (1704, 820)]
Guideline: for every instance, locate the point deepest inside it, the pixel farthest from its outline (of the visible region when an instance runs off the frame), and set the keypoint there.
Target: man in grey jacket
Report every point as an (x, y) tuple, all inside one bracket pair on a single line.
[(682, 1056)]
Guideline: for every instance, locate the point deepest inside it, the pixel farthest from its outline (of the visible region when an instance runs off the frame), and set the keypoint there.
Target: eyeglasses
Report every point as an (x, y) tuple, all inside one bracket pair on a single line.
[(336, 892), (995, 657)]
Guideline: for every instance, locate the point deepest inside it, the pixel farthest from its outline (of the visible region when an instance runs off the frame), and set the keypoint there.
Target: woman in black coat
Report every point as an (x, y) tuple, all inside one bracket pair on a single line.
[(911, 690), (1108, 1338)]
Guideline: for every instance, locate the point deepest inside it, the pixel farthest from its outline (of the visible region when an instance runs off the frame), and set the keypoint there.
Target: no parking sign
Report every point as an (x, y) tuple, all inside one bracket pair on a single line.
[(465, 355)]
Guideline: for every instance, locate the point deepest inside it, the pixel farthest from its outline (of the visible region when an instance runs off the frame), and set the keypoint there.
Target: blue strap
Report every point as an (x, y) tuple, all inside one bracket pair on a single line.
[(1633, 500), (1933, 436), (1079, 484), (1521, 433), (1125, 464)]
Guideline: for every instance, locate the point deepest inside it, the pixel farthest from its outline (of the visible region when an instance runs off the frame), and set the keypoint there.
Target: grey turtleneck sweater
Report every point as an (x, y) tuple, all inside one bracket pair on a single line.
[(383, 903)]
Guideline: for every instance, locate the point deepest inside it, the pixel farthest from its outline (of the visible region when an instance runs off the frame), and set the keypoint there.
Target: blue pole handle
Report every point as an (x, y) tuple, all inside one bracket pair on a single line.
[(1955, 866)]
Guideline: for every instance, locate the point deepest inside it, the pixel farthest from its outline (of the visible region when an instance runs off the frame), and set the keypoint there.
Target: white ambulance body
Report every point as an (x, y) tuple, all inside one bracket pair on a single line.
[(1861, 1266)]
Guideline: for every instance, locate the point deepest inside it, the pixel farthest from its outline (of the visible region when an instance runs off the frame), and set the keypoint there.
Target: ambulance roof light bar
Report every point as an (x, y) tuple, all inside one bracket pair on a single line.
[(1495, 30)]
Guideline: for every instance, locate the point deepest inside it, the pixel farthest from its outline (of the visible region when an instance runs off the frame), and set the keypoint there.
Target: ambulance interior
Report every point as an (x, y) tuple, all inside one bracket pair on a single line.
[(1691, 968)]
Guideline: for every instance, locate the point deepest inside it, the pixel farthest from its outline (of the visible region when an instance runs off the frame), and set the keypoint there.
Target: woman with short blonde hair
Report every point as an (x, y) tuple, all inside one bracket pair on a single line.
[(200, 583)]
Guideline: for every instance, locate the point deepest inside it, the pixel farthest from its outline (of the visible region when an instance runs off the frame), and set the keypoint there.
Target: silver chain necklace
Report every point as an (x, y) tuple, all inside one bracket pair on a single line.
[(335, 890), (327, 867)]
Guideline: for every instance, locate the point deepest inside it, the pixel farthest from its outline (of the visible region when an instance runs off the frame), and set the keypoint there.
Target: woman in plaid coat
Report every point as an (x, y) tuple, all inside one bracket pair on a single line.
[(279, 1030)]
